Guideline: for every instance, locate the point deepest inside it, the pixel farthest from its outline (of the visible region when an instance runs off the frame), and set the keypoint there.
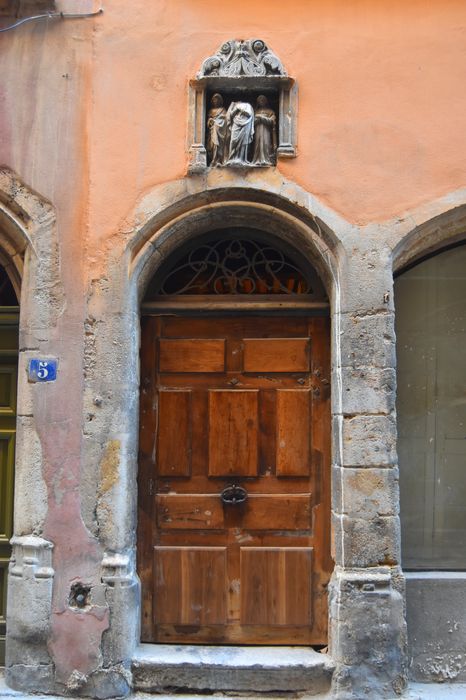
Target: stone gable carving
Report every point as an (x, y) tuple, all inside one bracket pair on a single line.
[(237, 58)]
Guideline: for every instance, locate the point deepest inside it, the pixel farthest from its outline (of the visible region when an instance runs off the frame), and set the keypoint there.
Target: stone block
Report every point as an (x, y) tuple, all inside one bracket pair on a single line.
[(166, 668), (30, 487), (369, 441), (367, 635), (368, 390), (366, 277), (365, 493), (367, 341), (361, 543)]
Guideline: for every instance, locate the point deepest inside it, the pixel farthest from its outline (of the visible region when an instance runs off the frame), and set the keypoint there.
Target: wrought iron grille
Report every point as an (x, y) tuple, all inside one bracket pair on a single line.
[(239, 266)]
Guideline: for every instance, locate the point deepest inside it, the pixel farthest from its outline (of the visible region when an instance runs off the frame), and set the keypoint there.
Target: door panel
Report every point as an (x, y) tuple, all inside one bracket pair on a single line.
[(233, 433), (293, 435), (192, 355), (234, 402), (183, 596), (174, 456), (276, 355), (276, 586)]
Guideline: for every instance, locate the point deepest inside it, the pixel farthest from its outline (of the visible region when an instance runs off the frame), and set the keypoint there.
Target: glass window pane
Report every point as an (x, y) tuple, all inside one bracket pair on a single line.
[(430, 301)]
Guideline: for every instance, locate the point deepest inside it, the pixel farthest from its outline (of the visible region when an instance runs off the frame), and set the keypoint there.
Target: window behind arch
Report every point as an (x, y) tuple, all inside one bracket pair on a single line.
[(430, 301), (237, 262)]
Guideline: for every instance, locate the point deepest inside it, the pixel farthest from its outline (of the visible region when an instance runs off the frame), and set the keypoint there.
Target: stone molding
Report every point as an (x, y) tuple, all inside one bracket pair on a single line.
[(117, 570), (31, 557), (237, 57)]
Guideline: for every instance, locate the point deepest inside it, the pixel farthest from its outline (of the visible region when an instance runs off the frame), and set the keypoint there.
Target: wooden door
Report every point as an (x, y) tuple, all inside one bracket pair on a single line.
[(242, 402), (8, 381)]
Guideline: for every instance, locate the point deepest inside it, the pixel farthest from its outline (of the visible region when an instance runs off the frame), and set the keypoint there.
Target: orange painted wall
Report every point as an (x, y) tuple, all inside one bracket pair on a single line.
[(382, 102)]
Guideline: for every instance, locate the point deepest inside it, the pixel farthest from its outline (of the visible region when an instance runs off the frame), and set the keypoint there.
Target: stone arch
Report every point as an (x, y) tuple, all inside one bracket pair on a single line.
[(15, 227), (433, 234), (195, 215)]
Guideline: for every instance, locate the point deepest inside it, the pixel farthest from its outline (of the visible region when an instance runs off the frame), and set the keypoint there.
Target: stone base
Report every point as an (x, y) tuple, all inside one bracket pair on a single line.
[(160, 668)]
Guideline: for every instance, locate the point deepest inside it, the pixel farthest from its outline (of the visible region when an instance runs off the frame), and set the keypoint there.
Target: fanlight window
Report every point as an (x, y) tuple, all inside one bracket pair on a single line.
[(238, 266)]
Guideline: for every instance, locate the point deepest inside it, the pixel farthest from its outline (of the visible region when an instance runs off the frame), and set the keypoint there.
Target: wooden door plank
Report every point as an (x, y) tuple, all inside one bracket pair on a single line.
[(174, 433), (190, 585), (259, 512), (233, 433), (276, 586), (293, 432), (191, 355), (191, 512), (276, 354)]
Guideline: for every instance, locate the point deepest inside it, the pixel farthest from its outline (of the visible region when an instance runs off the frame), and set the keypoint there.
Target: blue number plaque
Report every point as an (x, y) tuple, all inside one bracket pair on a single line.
[(42, 370)]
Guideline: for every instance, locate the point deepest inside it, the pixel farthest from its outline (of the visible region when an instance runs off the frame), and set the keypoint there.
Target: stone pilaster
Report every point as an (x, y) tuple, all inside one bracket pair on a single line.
[(367, 621)]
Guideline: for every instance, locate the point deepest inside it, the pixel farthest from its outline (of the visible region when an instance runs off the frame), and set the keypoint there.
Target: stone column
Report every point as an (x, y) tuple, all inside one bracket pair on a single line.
[(367, 636)]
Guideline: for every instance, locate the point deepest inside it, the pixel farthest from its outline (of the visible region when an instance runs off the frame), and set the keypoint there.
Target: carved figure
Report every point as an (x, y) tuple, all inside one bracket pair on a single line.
[(265, 138), (216, 130), (240, 123)]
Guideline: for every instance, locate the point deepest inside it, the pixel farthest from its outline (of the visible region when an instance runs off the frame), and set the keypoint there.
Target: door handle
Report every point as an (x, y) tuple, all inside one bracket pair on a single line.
[(233, 495)]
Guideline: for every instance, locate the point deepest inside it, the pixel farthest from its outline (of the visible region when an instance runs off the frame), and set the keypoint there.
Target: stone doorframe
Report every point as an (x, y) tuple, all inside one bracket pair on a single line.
[(367, 626)]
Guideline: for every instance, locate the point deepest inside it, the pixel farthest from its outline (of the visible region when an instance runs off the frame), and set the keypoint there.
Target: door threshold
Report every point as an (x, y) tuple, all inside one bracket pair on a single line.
[(179, 668)]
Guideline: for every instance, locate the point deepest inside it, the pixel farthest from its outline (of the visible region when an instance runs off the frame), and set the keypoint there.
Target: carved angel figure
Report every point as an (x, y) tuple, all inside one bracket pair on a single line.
[(240, 122), (265, 139), (216, 130)]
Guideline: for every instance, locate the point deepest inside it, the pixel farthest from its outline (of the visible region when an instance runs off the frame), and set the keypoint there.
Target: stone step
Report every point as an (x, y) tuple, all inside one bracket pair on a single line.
[(166, 668)]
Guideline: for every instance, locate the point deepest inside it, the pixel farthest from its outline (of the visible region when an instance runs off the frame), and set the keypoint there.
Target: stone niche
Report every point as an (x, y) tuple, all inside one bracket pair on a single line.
[(242, 109)]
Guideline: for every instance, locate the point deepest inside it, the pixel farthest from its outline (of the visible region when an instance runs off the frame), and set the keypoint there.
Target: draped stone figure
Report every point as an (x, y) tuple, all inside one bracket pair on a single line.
[(240, 123), (265, 138), (216, 130)]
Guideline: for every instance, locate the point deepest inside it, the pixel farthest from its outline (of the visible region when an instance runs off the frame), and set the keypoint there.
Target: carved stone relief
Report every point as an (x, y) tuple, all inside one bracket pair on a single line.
[(237, 57), (242, 109)]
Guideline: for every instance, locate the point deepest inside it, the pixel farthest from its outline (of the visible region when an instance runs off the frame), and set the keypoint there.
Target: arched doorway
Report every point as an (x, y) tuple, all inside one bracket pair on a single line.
[(9, 324), (234, 469)]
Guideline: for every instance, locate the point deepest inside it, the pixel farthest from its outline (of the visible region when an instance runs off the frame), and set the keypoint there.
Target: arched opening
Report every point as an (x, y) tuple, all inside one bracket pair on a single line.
[(234, 464), (9, 325), (431, 337)]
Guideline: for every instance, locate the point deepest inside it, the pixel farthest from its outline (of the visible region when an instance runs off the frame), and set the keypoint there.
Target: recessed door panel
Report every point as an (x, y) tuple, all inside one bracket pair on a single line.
[(233, 433), (190, 585), (174, 433), (191, 355), (293, 432), (276, 586), (276, 355)]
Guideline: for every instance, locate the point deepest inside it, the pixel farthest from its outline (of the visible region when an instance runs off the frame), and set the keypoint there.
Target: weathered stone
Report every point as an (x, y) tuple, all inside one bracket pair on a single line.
[(368, 636), (368, 390), (366, 493), (122, 595), (29, 610), (361, 543), (367, 341), (204, 668), (366, 277), (31, 490), (369, 441)]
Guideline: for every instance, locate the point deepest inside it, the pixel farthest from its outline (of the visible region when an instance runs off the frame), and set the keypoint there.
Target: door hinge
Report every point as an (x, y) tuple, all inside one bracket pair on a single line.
[(151, 487)]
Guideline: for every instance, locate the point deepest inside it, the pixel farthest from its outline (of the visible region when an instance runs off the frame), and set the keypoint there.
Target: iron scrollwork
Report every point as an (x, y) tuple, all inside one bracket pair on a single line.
[(236, 266)]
